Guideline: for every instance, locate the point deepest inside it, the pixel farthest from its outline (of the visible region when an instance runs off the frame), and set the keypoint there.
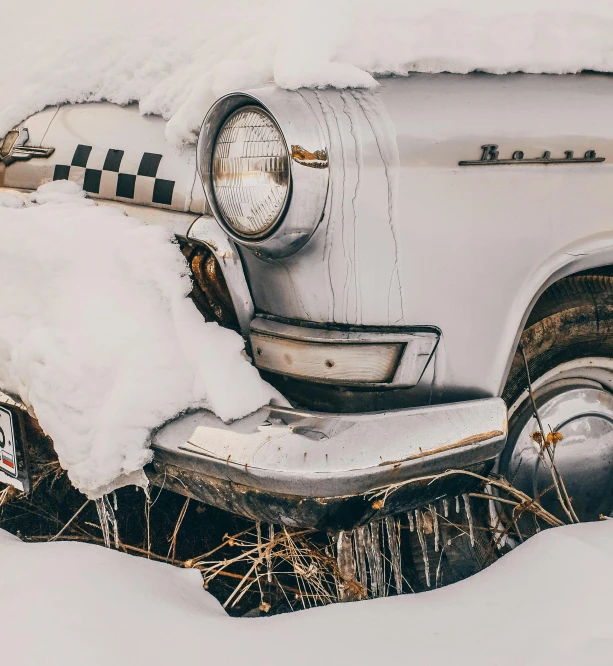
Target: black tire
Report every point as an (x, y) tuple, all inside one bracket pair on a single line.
[(572, 319)]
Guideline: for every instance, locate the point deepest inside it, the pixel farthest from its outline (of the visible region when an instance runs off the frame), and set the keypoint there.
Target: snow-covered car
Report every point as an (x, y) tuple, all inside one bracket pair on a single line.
[(395, 261)]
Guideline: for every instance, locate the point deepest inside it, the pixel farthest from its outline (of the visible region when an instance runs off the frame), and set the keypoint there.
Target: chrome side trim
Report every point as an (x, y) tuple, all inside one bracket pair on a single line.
[(206, 231), (418, 344)]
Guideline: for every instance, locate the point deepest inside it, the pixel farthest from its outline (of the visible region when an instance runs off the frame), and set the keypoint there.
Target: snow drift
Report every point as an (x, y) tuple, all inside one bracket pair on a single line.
[(546, 603), (176, 58), (98, 336)]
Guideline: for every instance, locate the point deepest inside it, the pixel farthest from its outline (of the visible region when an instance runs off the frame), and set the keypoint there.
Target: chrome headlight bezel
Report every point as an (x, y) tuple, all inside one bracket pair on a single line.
[(308, 168)]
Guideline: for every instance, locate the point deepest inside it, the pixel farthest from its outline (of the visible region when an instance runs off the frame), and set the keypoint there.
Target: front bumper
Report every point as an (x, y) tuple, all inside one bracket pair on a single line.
[(312, 469)]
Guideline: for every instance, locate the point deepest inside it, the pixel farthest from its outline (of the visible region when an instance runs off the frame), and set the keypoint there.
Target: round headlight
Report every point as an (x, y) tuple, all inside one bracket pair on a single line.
[(250, 172)]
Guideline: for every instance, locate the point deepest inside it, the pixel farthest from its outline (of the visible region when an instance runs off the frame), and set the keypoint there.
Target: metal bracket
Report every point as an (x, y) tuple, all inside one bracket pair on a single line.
[(13, 147)]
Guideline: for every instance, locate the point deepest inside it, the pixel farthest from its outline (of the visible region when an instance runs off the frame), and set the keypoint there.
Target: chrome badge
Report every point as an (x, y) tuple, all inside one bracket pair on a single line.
[(490, 157), (13, 147)]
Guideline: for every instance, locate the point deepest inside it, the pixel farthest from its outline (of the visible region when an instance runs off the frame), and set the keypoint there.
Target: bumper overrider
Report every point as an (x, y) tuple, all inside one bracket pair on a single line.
[(308, 469)]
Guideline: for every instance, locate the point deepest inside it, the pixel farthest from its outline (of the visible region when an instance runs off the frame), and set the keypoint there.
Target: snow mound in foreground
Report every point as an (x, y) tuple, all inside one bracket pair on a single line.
[(176, 58), (546, 603), (98, 336)]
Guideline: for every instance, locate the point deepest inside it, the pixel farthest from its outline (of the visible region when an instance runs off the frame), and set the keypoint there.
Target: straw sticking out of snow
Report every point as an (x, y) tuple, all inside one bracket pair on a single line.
[(98, 336), (176, 59)]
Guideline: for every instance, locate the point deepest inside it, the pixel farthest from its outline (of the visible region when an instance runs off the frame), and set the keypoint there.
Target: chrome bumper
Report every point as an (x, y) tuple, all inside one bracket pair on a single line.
[(316, 470)]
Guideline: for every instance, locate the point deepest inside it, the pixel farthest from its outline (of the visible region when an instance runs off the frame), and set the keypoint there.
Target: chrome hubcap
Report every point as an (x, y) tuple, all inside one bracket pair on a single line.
[(576, 400)]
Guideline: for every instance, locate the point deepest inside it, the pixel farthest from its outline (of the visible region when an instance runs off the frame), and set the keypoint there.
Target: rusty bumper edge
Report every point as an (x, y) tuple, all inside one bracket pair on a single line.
[(316, 470)]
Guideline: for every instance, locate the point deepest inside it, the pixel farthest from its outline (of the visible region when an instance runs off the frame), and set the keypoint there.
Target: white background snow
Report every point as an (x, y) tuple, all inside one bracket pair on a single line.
[(546, 603), (98, 336), (175, 58)]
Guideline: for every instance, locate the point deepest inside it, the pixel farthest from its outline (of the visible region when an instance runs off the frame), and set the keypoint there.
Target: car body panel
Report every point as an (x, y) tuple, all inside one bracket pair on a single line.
[(411, 237), (408, 236), (102, 146), (420, 229)]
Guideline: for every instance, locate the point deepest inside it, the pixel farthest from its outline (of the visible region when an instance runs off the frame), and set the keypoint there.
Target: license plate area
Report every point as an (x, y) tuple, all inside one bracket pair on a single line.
[(13, 468)]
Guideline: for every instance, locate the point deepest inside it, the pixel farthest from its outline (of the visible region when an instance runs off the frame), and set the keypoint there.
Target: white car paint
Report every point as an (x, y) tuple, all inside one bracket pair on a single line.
[(410, 237)]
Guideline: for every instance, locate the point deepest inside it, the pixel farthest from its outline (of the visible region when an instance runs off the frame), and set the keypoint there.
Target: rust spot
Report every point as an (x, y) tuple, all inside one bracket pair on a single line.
[(316, 160), (209, 289)]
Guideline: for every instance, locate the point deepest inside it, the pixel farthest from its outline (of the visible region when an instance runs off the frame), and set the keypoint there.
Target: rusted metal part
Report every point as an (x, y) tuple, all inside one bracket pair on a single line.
[(210, 292), (467, 441), (316, 160), (330, 513)]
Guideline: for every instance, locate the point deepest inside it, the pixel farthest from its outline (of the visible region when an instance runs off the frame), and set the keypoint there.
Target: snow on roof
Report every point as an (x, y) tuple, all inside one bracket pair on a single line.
[(175, 58), (97, 334)]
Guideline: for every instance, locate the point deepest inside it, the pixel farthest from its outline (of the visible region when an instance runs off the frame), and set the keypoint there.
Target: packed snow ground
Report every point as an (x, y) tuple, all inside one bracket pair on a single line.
[(547, 602), (175, 58), (97, 334)]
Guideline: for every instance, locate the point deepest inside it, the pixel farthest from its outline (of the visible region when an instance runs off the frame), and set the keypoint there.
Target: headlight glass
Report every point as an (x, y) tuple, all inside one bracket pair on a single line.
[(250, 172)]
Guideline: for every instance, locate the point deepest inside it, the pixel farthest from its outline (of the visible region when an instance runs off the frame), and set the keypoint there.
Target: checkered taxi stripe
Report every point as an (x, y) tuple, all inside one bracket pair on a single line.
[(110, 181)]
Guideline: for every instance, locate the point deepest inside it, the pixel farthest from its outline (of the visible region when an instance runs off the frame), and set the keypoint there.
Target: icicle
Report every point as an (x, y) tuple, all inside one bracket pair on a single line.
[(393, 540), (411, 521), (258, 531), (102, 519), (360, 557), (375, 529), (434, 515), (114, 501), (457, 504), (346, 565), (373, 554), (422, 542), (446, 507), (108, 521), (469, 517), (271, 538), (115, 530)]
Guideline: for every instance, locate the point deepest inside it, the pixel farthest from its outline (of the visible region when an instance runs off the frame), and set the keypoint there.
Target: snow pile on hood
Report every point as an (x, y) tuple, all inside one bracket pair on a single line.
[(545, 604), (176, 58), (98, 336)]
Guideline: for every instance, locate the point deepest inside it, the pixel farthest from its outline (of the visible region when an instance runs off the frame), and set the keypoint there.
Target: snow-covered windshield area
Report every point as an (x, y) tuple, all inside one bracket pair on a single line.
[(175, 58), (97, 334)]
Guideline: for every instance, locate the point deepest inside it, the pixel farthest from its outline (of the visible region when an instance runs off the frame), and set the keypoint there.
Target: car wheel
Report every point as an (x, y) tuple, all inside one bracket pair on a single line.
[(567, 346)]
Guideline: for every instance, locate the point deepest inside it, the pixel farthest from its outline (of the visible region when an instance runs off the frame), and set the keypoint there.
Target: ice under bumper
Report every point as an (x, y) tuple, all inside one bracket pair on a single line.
[(313, 469)]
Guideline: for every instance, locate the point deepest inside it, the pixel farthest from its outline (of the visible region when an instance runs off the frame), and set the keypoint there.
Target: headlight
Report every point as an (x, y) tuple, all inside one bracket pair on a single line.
[(250, 172), (264, 164)]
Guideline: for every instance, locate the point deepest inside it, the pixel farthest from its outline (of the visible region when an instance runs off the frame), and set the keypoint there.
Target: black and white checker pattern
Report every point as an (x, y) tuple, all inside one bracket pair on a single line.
[(144, 186)]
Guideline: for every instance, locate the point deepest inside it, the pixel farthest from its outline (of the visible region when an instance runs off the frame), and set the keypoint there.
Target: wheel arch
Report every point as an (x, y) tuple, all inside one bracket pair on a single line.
[(591, 256)]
